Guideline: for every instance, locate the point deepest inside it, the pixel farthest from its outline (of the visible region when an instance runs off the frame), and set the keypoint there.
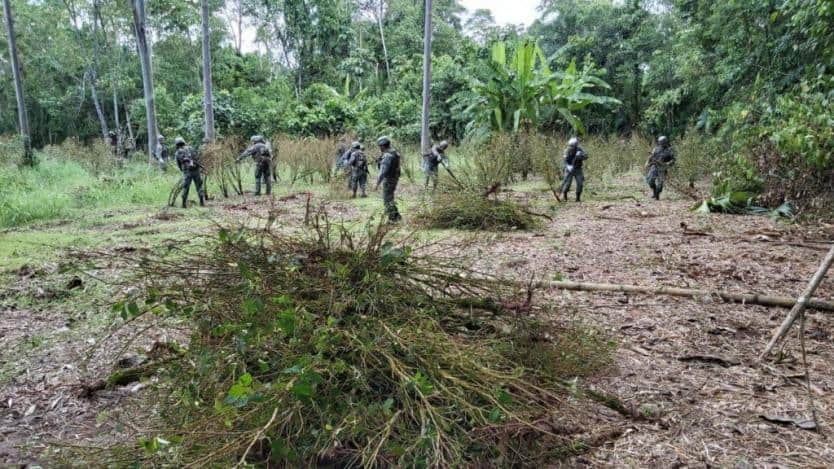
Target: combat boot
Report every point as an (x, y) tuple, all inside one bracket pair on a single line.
[(564, 196), (184, 203), (202, 201), (258, 188)]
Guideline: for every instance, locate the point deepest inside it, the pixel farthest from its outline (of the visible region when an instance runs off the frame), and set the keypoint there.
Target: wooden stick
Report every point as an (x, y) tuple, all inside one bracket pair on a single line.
[(742, 298), (801, 304)]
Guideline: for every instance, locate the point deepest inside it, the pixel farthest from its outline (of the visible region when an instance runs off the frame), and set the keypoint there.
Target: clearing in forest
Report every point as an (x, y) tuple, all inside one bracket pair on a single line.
[(683, 369)]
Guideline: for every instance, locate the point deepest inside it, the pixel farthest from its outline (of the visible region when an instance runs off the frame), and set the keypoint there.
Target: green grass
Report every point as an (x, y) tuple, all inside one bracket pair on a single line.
[(61, 188)]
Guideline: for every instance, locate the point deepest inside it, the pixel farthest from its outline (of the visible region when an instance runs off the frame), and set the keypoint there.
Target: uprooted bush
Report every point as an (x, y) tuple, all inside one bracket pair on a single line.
[(467, 210), (344, 350)]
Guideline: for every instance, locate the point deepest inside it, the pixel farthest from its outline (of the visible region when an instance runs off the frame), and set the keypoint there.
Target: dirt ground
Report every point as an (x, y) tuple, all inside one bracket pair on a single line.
[(688, 365)]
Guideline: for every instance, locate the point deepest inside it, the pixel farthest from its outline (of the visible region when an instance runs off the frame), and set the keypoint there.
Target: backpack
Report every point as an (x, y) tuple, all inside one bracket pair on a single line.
[(360, 162)]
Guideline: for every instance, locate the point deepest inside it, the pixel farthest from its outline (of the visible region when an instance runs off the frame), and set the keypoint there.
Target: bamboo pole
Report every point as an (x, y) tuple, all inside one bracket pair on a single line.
[(801, 304), (742, 298)]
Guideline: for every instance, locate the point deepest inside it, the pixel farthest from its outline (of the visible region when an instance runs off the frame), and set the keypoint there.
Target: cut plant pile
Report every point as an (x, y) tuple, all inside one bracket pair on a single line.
[(472, 211), (345, 350)]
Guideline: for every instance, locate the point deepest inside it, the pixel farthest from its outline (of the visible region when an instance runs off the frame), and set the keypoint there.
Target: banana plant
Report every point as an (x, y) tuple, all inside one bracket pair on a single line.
[(522, 92)]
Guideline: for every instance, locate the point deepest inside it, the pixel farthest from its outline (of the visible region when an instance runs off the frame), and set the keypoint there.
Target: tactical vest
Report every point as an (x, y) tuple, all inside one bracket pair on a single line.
[(394, 170)]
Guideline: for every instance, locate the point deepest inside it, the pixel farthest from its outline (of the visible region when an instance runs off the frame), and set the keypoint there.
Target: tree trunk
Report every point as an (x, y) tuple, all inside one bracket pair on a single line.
[(129, 125), (23, 117), (239, 11), (379, 16), (105, 132), (207, 93), (94, 75), (138, 8), (425, 137)]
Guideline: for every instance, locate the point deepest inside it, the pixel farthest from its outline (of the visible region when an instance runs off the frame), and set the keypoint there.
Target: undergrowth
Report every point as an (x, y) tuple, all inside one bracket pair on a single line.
[(334, 349), (60, 185)]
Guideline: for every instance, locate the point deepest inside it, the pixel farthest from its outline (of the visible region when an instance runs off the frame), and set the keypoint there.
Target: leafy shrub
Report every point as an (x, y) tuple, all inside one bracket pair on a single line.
[(11, 149), (780, 150), (328, 348)]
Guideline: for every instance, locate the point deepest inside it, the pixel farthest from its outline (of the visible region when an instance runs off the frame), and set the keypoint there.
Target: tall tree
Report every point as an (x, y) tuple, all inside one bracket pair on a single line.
[(425, 138), (23, 117), (138, 9), (91, 68), (207, 92)]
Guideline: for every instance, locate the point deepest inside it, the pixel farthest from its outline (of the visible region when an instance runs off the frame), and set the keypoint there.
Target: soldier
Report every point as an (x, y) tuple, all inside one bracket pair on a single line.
[(573, 159), (259, 151), (113, 140), (389, 176), (342, 155), (661, 159), (188, 162), (161, 152), (128, 147), (432, 161), (358, 165)]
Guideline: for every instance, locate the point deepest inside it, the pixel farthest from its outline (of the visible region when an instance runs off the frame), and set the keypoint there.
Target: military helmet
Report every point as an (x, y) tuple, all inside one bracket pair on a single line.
[(179, 141), (258, 139), (383, 141), (112, 133), (160, 137), (443, 145), (573, 142), (663, 140), (356, 146)]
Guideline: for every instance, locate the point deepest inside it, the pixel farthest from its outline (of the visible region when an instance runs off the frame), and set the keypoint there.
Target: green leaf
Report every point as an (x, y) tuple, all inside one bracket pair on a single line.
[(253, 306), (287, 321)]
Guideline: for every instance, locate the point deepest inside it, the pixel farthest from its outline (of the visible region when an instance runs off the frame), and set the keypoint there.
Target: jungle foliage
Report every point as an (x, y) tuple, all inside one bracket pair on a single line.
[(754, 76)]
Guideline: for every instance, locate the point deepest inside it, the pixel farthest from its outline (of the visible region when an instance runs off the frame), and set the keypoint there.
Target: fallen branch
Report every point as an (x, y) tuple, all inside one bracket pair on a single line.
[(742, 298), (726, 362), (536, 214), (801, 304), (123, 377)]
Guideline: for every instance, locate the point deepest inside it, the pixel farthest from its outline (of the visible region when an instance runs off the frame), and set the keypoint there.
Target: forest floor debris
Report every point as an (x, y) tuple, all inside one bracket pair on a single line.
[(707, 414)]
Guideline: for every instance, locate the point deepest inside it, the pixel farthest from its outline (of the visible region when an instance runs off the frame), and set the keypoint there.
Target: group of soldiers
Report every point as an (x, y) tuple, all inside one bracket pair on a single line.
[(354, 162), (188, 161), (120, 146), (657, 167)]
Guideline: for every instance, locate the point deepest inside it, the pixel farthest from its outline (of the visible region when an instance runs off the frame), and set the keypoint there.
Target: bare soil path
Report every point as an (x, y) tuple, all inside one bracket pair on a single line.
[(688, 365)]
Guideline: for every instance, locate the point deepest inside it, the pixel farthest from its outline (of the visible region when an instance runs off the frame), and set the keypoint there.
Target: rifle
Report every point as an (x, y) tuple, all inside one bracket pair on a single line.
[(449, 170)]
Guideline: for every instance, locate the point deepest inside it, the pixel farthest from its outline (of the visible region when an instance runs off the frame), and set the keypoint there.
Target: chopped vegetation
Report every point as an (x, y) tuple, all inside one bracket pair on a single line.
[(337, 349), (471, 211)]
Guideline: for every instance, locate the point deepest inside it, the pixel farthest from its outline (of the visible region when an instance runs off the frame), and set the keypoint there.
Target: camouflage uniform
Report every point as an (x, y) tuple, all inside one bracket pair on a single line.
[(389, 176), (432, 162), (113, 140), (574, 157), (188, 161), (259, 151), (127, 147), (660, 161), (358, 165), (161, 153)]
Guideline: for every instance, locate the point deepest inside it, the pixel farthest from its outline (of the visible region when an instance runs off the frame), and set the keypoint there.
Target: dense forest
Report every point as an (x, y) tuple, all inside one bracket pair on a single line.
[(756, 75)]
